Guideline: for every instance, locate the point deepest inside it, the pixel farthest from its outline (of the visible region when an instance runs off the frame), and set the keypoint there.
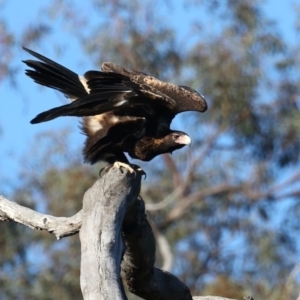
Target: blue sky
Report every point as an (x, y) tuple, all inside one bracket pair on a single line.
[(18, 107)]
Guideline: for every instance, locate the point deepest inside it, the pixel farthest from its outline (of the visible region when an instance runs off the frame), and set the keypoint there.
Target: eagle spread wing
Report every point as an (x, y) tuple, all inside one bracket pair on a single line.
[(123, 110)]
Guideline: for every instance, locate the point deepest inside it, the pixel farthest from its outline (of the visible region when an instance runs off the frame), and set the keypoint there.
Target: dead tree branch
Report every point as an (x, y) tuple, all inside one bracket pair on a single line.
[(138, 270), (102, 246), (59, 226), (116, 240)]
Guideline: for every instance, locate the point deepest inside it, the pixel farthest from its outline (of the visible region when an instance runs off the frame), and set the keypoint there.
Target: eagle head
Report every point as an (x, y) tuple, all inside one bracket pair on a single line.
[(176, 140)]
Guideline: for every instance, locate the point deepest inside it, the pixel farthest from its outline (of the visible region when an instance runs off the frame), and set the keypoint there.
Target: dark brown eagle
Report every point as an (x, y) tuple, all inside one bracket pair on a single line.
[(123, 110)]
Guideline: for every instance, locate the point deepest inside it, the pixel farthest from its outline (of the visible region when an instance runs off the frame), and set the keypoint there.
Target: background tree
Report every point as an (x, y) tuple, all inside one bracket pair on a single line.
[(225, 211)]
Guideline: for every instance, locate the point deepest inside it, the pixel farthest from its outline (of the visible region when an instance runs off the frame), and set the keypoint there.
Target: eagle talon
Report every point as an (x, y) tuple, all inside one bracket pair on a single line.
[(121, 165), (131, 168), (143, 173), (105, 169), (139, 170)]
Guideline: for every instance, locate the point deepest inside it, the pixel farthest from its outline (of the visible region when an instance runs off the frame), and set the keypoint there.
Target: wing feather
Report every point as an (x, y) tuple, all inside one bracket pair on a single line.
[(49, 73), (120, 106)]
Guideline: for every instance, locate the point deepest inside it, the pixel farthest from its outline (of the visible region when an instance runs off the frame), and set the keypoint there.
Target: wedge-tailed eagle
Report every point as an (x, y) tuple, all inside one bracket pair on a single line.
[(123, 110)]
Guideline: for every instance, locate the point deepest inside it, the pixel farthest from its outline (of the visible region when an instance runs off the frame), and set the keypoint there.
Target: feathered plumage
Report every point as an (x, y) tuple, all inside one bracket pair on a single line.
[(123, 110)]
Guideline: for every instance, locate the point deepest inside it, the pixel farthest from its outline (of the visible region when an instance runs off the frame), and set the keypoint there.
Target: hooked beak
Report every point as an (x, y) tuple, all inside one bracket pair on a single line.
[(184, 140)]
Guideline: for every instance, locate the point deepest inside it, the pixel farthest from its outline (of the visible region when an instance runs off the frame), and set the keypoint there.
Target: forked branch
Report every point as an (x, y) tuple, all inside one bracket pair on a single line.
[(116, 240)]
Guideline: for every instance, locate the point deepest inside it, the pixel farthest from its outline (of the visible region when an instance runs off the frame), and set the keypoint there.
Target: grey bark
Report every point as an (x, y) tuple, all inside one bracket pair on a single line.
[(116, 240), (102, 246), (138, 271), (59, 226)]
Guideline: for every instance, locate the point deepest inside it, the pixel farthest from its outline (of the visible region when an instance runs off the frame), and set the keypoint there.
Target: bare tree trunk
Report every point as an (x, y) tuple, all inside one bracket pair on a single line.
[(102, 245), (116, 240), (112, 207)]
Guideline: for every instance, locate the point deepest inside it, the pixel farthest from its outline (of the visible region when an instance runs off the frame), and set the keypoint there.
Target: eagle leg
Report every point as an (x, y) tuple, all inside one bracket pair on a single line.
[(131, 168), (118, 164)]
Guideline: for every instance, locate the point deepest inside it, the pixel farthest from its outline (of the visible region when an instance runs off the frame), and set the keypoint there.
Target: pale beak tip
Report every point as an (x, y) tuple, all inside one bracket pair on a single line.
[(184, 140)]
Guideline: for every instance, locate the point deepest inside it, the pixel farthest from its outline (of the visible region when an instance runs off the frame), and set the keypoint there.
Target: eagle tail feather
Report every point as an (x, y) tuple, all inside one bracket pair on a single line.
[(90, 105)]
